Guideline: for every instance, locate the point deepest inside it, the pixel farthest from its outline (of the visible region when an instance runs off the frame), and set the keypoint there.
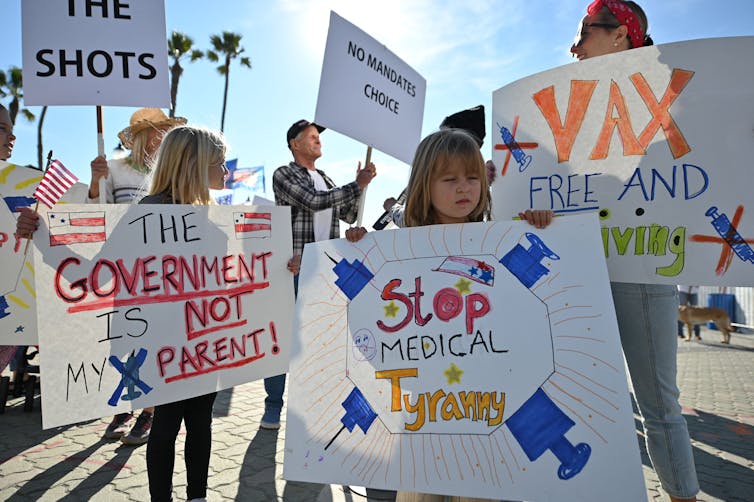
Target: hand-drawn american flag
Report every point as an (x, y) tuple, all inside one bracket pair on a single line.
[(72, 228), (252, 225), (469, 268), (55, 182)]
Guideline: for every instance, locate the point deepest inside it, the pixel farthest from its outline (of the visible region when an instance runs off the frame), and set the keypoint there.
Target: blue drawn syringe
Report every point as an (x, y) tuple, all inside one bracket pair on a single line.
[(728, 232)]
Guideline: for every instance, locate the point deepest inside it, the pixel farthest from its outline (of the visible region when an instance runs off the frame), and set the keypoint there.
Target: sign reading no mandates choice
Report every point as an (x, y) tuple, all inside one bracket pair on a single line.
[(480, 360), (81, 52), (18, 301), (142, 305), (368, 93), (658, 140)]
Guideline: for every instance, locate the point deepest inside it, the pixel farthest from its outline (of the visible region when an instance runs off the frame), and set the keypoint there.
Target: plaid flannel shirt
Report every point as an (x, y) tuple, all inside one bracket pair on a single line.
[(293, 186)]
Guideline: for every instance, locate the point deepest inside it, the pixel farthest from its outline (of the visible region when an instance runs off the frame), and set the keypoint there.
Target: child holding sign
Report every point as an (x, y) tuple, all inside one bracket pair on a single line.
[(448, 184), (190, 161)]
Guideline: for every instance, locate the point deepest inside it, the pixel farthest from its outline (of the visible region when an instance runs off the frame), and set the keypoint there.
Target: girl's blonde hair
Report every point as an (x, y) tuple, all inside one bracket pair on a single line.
[(433, 155), (181, 170), (138, 146)]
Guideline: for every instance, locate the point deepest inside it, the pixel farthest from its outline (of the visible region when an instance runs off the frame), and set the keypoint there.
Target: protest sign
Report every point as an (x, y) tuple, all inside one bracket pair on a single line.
[(81, 52), (368, 93), (151, 304), (479, 360), (657, 140), (18, 302)]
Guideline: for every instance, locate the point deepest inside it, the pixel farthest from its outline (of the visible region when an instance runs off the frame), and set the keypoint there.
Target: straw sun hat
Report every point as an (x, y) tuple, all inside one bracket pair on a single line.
[(144, 118)]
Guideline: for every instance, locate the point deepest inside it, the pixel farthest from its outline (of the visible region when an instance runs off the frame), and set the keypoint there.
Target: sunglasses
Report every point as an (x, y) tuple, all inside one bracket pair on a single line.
[(580, 35)]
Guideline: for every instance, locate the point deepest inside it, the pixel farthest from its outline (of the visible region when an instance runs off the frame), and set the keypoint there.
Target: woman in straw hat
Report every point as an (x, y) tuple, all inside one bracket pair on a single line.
[(125, 177), (125, 183)]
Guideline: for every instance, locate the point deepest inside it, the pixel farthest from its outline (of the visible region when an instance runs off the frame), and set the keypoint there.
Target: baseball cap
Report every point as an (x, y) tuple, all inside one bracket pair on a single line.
[(299, 126)]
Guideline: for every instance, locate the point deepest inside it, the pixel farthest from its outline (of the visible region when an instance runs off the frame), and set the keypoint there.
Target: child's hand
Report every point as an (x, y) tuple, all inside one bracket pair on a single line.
[(540, 218), (355, 234), (27, 222), (294, 264)]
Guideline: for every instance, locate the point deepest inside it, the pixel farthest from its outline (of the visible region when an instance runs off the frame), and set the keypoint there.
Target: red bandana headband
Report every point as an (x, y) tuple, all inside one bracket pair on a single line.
[(624, 15)]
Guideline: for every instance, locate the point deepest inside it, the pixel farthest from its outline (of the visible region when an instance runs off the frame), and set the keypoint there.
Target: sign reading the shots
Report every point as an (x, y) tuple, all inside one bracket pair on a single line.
[(18, 300), (150, 304), (82, 52), (480, 360), (368, 93), (657, 140)]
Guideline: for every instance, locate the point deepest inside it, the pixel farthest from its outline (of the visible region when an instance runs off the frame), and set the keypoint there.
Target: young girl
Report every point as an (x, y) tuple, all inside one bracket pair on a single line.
[(448, 184), (190, 161)]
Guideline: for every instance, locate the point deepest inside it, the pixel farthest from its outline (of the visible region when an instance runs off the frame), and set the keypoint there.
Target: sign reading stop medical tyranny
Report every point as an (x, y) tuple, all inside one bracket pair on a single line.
[(476, 360), (82, 52)]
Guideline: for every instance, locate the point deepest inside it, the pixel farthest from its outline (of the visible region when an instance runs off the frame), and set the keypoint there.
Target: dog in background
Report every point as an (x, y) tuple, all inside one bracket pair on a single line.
[(690, 315)]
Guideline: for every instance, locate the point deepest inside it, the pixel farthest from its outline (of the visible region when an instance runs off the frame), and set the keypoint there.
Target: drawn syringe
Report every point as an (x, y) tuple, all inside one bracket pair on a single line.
[(728, 232)]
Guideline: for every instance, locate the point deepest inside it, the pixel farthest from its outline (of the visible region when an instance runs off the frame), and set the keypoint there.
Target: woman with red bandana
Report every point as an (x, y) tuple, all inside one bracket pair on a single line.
[(646, 312)]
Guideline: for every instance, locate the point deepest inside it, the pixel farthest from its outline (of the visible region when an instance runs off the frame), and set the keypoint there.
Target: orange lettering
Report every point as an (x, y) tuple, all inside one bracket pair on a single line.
[(578, 102), (395, 383), (660, 114), (626, 134)]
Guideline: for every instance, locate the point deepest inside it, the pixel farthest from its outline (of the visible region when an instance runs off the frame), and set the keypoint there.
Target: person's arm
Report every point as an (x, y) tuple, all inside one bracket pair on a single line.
[(27, 222), (294, 264), (100, 169), (539, 218), (293, 189), (396, 212), (355, 234), (349, 211)]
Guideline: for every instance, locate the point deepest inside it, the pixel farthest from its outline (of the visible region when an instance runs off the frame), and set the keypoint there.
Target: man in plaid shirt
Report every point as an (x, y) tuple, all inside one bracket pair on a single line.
[(316, 206)]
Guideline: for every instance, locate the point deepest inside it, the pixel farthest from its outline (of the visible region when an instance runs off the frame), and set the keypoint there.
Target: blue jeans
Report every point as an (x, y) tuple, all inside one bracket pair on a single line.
[(275, 386), (688, 299), (647, 314)]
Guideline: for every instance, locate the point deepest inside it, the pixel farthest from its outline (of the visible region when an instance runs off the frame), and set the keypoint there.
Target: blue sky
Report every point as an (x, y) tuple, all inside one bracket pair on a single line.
[(465, 50)]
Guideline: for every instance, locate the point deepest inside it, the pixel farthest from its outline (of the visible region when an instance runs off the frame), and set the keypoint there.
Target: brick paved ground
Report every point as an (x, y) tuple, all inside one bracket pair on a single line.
[(74, 463)]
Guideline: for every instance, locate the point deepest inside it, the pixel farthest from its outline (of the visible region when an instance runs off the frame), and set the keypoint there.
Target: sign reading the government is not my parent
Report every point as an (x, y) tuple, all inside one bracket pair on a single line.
[(142, 304), (81, 52), (368, 93)]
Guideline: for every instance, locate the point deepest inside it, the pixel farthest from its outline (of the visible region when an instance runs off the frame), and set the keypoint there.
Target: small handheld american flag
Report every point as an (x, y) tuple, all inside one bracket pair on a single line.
[(55, 182)]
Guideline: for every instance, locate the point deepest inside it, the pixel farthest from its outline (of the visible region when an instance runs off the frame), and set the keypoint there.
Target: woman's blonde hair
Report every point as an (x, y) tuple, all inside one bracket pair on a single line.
[(181, 170), (138, 145), (433, 155)]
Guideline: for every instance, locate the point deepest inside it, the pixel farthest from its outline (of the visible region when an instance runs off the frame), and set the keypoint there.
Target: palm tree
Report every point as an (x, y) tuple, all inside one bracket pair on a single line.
[(40, 146), (228, 45), (11, 83), (179, 45)]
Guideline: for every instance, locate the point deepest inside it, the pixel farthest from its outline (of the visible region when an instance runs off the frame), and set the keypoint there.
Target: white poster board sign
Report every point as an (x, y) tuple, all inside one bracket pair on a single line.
[(477, 360), (658, 140), (95, 53), (368, 93), (18, 301), (151, 304)]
